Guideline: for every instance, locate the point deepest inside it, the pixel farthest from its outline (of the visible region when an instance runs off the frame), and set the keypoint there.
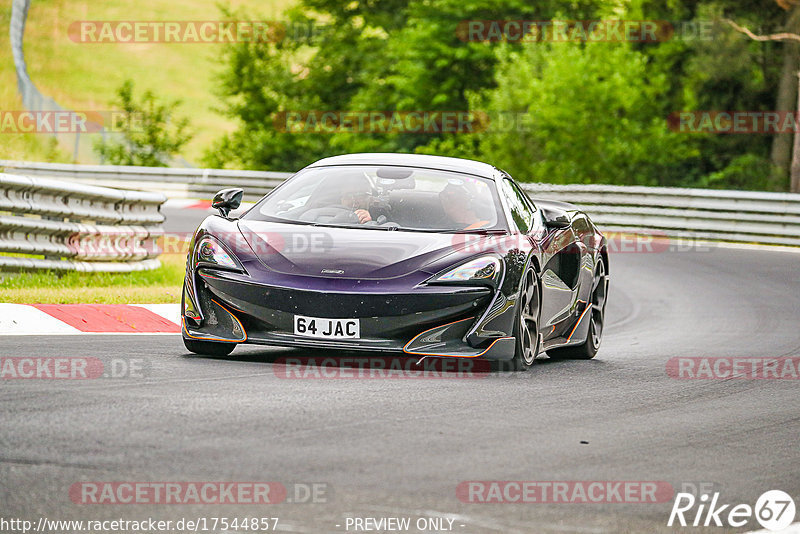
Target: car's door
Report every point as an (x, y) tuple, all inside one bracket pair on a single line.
[(584, 238), (563, 255), (558, 275)]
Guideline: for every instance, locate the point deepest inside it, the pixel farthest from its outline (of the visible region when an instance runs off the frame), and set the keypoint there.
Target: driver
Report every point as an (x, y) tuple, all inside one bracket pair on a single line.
[(459, 207), (357, 196)]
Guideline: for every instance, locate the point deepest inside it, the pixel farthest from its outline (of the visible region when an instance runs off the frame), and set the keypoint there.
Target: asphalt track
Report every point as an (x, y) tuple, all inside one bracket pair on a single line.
[(389, 447)]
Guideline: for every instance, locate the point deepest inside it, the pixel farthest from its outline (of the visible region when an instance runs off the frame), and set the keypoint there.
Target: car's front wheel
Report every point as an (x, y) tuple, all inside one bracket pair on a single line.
[(526, 325), (209, 348)]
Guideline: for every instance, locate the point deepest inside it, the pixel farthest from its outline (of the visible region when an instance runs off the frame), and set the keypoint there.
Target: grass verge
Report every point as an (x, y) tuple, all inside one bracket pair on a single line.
[(38, 147), (162, 285), (86, 76)]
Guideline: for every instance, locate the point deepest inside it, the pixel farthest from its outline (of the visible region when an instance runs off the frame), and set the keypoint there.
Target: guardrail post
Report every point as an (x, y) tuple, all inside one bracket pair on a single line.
[(77, 145)]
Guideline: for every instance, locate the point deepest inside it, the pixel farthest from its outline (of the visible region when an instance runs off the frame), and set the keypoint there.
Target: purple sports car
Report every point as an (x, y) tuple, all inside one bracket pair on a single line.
[(408, 254)]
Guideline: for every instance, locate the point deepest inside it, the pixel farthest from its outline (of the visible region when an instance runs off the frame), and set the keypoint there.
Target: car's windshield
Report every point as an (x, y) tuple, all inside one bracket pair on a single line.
[(390, 197)]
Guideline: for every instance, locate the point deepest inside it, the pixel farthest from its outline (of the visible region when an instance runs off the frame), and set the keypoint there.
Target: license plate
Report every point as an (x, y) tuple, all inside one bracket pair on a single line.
[(327, 328)]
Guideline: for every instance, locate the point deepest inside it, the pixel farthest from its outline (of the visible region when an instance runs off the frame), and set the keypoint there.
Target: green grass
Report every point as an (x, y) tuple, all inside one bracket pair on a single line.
[(86, 76), (12, 145), (162, 285)]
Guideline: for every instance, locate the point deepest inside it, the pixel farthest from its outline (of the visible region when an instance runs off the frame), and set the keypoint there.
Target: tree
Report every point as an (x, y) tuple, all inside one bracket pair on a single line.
[(150, 133), (792, 40), (580, 114), (602, 118), (376, 55), (717, 70)]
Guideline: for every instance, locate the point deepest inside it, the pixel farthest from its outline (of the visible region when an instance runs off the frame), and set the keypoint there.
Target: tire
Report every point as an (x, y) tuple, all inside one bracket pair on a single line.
[(526, 325), (209, 348), (588, 349)]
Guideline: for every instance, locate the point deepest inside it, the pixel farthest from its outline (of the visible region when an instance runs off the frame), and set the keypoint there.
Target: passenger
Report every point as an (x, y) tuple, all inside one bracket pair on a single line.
[(459, 207)]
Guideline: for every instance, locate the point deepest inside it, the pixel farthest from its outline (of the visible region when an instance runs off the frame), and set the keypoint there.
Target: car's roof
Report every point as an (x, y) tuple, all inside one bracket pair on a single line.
[(412, 160)]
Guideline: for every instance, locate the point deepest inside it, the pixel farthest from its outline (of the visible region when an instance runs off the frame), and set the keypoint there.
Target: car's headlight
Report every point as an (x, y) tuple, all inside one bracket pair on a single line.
[(209, 251), (486, 269)]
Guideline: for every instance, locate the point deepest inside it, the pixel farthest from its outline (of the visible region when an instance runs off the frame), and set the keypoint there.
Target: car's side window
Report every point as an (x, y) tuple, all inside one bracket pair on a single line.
[(521, 210), (581, 226), (524, 196), (583, 231)]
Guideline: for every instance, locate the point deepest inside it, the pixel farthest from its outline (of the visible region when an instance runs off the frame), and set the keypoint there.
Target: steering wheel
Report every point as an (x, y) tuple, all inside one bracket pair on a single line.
[(340, 214), (329, 214)]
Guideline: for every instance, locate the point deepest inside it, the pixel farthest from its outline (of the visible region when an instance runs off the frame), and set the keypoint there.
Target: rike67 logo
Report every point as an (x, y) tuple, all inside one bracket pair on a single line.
[(774, 510)]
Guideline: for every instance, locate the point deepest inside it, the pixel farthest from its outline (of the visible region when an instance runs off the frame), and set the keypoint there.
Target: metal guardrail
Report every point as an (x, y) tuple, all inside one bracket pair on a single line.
[(173, 182), (739, 216), (48, 224), (719, 215)]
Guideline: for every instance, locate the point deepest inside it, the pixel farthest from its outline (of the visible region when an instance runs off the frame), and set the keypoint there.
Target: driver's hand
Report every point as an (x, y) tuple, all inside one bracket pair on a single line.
[(363, 216)]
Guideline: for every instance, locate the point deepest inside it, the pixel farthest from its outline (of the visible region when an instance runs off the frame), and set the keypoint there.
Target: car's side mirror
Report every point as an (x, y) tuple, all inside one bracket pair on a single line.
[(227, 200), (555, 218)]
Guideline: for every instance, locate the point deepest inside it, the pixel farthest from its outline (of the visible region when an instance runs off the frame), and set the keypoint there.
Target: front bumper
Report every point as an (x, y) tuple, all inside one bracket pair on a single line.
[(426, 321)]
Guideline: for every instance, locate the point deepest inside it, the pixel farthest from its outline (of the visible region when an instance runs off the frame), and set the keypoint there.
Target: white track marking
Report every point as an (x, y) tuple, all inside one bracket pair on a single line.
[(170, 312), (25, 320), (21, 319)]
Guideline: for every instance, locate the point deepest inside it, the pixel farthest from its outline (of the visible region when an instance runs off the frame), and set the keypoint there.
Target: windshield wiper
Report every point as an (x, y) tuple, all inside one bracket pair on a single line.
[(353, 226), (410, 229), (271, 218), (480, 231)]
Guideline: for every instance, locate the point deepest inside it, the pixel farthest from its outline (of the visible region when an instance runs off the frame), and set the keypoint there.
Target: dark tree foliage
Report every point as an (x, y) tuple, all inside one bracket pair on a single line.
[(381, 55), (411, 55)]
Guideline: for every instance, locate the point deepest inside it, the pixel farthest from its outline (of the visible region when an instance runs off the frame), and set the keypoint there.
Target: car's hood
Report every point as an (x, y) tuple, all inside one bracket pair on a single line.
[(347, 252)]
